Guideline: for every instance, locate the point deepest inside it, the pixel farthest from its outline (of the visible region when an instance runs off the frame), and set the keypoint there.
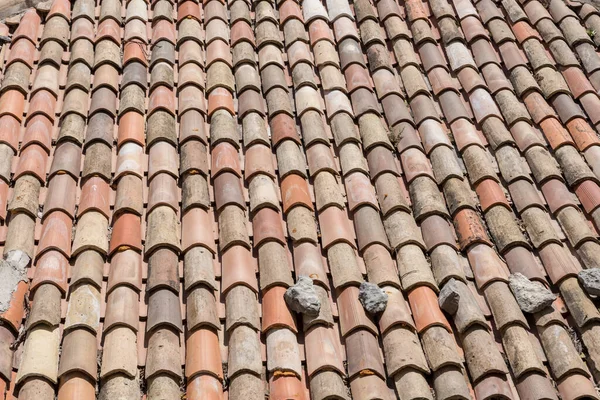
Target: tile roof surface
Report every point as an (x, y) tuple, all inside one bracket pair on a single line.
[(169, 169)]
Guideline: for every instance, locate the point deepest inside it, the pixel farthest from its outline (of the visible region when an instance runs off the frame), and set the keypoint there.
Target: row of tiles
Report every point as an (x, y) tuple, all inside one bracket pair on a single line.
[(309, 163)]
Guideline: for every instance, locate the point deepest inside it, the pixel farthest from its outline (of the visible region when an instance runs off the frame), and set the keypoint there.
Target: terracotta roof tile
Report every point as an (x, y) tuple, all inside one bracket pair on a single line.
[(378, 164)]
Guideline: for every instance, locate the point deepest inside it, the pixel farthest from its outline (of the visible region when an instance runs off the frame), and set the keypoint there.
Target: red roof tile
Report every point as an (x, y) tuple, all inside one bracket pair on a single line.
[(363, 168)]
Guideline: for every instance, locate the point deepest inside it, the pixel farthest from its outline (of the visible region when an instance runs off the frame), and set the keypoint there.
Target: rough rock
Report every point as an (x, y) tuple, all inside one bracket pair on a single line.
[(373, 299), (449, 297), (18, 259), (590, 280), (13, 269), (302, 297), (531, 296)]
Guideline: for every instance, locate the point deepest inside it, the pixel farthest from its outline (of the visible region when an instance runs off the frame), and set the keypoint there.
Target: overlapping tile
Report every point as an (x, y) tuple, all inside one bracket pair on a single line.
[(172, 168)]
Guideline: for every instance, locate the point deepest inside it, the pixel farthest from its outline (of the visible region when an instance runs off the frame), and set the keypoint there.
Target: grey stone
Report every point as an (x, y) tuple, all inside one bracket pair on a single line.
[(18, 259), (590, 279), (449, 297), (373, 299), (13, 269), (531, 296), (302, 297)]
